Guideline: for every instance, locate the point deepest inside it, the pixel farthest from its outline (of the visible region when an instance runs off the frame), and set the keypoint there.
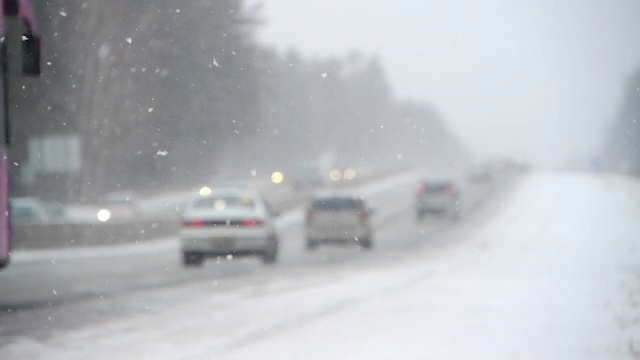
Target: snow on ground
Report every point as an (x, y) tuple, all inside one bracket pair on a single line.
[(555, 274), (552, 277), (556, 277)]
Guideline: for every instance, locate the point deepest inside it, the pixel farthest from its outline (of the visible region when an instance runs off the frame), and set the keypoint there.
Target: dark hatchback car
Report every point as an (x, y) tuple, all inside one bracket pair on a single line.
[(437, 198)]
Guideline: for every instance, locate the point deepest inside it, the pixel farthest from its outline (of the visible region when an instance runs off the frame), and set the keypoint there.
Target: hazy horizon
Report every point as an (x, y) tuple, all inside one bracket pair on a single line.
[(536, 80)]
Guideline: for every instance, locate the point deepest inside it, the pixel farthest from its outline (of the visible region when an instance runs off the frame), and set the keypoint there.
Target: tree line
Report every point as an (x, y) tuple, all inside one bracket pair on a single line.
[(622, 146), (164, 94)]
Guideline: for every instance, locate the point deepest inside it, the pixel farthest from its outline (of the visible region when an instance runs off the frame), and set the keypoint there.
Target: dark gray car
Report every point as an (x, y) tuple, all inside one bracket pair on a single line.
[(437, 198)]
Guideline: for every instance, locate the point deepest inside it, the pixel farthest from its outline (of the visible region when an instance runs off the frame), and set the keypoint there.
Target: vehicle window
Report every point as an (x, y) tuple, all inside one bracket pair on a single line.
[(23, 212), (337, 204), (224, 202), (435, 187)]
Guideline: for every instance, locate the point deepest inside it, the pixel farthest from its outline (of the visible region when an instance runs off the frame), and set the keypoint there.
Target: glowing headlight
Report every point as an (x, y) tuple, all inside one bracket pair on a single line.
[(220, 204), (277, 177), (349, 174), (104, 215), (205, 191), (335, 175)]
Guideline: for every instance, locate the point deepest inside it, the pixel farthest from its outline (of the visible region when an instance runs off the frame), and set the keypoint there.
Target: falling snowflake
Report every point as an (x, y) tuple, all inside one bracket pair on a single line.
[(215, 63), (128, 40), (324, 74), (150, 109), (162, 153), (63, 13)]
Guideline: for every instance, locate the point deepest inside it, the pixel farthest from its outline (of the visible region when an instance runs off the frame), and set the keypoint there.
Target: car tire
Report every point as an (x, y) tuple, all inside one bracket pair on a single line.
[(192, 260), (366, 243), (311, 245), (270, 255)]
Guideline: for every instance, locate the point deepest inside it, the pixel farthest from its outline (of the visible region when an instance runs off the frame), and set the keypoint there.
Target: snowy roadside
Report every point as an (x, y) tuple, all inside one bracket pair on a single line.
[(554, 276)]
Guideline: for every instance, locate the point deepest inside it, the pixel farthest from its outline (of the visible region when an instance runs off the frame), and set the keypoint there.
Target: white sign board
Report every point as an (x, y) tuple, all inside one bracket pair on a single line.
[(55, 154)]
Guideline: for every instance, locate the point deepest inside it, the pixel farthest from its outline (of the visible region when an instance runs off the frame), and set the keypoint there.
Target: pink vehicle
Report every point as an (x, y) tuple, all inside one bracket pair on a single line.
[(31, 66)]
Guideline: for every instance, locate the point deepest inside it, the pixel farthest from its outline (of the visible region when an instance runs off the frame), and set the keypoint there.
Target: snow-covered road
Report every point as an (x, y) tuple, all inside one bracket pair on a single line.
[(553, 272), (38, 278), (555, 275)]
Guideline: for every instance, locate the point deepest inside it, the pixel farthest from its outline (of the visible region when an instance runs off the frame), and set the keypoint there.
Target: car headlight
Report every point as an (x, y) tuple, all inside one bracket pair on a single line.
[(349, 174), (104, 215), (277, 177), (205, 191), (335, 175)]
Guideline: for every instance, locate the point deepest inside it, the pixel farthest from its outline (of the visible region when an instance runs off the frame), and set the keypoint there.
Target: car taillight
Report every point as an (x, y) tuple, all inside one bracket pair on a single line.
[(193, 223), (422, 189), (252, 223), (309, 214), (450, 189), (363, 215)]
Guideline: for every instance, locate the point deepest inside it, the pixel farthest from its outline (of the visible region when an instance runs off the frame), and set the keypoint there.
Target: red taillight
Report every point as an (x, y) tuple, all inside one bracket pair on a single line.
[(450, 189), (363, 215), (422, 189), (252, 223), (309, 214), (193, 223)]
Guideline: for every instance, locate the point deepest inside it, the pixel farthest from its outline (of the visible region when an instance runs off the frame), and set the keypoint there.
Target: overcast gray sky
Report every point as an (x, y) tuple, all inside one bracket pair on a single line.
[(535, 79)]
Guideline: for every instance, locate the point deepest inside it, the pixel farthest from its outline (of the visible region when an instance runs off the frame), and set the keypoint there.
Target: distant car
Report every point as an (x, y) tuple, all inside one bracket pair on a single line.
[(438, 198), (235, 222), (28, 210), (120, 206), (338, 219), (481, 174)]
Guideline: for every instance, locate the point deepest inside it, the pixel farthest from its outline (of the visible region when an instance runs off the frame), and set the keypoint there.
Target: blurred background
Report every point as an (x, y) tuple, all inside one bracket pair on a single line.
[(483, 155), (154, 95)]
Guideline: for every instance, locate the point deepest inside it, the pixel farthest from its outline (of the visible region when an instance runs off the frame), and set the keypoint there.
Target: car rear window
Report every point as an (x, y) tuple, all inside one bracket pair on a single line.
[(223, 202), (435, 187), (337, 204)]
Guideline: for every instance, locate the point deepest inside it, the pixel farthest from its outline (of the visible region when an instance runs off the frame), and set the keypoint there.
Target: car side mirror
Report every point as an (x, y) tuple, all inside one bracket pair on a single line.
[(31, 55)]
